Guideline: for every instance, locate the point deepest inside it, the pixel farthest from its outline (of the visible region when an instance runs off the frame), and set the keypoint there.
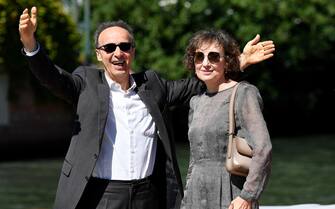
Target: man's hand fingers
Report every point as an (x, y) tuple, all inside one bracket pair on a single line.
[(25, 11), (33, 12), (24, 16), (24, 20), (24, 24), (34, 15)]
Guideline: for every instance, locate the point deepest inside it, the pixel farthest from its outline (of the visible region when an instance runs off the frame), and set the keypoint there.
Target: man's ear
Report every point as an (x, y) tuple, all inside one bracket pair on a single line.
[(99, 58)]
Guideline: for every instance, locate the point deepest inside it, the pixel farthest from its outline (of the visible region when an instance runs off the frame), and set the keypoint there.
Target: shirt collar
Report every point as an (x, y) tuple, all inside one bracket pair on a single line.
[(117, 87)]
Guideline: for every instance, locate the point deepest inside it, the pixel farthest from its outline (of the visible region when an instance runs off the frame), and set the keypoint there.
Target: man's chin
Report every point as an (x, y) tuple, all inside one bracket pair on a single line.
[(120, 69), (117, 72)]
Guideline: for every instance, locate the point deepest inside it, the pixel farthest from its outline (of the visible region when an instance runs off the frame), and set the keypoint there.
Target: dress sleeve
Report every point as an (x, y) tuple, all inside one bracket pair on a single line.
[(251, 122)]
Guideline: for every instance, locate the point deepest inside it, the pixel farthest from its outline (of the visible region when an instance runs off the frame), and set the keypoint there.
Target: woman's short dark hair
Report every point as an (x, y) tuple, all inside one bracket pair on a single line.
[(224, 40), (119, 23)]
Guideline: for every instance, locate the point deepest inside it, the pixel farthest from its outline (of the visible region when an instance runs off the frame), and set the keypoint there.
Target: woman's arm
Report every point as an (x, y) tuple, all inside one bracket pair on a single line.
[(252, 123)]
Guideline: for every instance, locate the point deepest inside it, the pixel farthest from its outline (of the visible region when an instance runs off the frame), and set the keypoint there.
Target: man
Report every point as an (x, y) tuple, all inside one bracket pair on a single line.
[(121, 153)]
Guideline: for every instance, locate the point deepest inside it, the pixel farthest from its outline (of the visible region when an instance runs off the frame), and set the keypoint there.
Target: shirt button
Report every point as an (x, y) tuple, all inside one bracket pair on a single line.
[(95, 156)]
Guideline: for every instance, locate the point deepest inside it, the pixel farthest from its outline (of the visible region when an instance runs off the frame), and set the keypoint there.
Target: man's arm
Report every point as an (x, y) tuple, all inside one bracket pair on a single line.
[(255, 51), (58, 81)]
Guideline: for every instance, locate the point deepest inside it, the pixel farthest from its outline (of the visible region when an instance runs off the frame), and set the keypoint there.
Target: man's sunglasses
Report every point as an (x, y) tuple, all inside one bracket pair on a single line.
[(213, 57), (109, 48)]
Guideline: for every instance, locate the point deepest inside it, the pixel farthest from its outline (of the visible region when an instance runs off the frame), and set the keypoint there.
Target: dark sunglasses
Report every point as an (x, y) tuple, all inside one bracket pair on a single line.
[(213, 57), (109, 48)]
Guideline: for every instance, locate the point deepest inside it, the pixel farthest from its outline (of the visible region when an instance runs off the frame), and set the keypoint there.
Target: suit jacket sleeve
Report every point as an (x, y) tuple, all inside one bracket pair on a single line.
[(61, 83), (179, 92)]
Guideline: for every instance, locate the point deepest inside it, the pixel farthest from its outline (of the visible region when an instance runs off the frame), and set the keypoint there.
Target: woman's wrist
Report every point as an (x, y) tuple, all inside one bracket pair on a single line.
[(243, 62)]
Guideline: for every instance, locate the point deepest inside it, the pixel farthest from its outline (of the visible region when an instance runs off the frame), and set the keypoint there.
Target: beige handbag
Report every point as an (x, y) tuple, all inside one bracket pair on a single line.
[(239, 153)]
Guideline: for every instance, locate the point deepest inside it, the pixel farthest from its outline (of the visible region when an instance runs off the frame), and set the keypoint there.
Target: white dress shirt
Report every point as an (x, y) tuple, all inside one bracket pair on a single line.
[(30, 54), (128, 148)]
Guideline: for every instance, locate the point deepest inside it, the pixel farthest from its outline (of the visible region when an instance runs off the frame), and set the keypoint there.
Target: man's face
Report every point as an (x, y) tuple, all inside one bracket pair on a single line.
[(117, 63)]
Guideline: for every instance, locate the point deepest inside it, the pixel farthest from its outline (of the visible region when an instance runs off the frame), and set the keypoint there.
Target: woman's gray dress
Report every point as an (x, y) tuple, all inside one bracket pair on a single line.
[(208, 184)]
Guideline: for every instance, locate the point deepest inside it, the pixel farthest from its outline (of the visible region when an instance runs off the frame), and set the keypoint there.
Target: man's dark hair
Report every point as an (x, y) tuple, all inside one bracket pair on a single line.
[(118, 23)]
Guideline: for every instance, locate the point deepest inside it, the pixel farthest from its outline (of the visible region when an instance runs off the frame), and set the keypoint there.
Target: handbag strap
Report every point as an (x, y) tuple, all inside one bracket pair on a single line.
[(231, 111), (231, 130)]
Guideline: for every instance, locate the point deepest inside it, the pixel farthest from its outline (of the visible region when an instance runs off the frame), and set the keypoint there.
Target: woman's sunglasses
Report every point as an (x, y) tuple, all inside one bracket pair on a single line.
[(109, 48), (213, 57)]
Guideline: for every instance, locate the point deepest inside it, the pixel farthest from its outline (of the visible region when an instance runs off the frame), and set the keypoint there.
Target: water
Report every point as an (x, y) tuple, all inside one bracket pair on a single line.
[(28, 184)]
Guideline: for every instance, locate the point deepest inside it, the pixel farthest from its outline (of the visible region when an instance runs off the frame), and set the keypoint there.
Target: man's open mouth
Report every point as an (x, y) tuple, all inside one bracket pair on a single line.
[(120, 62)]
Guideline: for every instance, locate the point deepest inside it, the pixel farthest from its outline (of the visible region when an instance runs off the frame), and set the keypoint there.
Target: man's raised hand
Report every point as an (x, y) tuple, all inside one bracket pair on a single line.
[(27, 28)]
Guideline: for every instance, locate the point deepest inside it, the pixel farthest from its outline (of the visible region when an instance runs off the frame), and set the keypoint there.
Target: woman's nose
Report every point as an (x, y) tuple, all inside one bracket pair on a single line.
[(205, 61)]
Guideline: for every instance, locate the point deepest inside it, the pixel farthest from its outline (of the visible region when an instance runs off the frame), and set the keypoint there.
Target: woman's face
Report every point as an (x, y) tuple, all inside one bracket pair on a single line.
[(209, 63)]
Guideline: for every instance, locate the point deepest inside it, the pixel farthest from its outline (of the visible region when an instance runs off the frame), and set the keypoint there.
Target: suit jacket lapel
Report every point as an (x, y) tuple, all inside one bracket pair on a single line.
[(103, 94), (147, 98)]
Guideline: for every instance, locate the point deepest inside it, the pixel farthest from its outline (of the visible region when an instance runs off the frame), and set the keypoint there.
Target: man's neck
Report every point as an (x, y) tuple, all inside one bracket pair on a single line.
[(122, 80)]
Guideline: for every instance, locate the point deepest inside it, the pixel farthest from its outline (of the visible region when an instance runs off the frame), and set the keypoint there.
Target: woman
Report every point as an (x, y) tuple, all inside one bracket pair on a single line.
[(213, 55)]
